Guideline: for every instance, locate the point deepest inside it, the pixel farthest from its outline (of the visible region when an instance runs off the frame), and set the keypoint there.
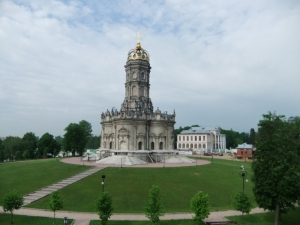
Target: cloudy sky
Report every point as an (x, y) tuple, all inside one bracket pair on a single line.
[(217, 63)]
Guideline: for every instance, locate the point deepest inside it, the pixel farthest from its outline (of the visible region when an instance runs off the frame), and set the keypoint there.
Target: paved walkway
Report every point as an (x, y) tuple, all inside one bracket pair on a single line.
[(84, 218), (36, 195)]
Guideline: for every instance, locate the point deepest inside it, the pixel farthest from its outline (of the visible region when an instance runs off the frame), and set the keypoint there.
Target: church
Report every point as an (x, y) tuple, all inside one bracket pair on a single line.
[(137, 126)]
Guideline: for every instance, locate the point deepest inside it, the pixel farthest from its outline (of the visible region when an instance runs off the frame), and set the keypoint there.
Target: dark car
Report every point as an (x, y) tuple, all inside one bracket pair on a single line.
[(207, 154)]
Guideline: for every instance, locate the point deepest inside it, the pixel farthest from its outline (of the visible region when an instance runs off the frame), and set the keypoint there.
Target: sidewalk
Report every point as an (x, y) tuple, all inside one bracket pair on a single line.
[(82, 218)]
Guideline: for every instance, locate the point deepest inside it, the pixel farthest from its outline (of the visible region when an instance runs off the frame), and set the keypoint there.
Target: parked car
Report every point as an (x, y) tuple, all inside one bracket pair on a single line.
[(207, 154), (220, 154)]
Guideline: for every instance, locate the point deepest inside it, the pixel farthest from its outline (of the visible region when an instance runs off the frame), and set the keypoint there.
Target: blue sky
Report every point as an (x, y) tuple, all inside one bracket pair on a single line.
[(217, 63)]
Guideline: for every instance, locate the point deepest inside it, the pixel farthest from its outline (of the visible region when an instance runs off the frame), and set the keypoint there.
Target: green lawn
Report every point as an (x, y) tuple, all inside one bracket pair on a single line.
[(30, 220), (29, 176), (129, 187), (291, 218)]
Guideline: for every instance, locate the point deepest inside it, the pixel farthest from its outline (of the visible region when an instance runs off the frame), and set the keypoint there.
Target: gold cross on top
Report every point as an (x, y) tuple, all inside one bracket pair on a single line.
[(138, 36)]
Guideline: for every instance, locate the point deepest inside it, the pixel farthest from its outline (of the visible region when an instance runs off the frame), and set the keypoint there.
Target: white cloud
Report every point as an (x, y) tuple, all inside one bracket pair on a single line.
[(215, 62)]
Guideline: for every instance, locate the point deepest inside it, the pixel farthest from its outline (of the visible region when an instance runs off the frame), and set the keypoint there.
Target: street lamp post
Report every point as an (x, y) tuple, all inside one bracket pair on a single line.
[(243, 174), (65, 220), (103, 177)]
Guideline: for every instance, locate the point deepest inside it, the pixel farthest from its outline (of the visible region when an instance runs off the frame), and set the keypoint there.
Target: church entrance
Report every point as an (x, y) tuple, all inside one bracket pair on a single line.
[(140, 146)]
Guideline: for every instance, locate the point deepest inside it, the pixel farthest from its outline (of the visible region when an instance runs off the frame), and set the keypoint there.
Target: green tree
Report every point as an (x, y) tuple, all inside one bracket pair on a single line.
[(93, 142), (12, 201), (154, 206), (1, 151), (241, 203), (47, 144), (200, 207), (26, 154), (55, 203), (252, 136), (104, 207), (10, 147), (29, 142), (74, 139), (276, 165)]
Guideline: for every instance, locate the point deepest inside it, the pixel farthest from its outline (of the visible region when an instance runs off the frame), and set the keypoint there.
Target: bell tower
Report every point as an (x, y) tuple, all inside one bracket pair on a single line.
[(137, 86)]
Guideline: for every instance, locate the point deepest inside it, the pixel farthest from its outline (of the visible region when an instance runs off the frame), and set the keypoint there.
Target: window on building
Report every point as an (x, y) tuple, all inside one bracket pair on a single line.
[(140, 146), (191, 138), (187, 138), (161, 145), (152, 145), (179, 138), (134, 91), (199, 138), (183, 138), (179, 146), (187, 145), (203, 138), (204, 146), (142, 91), (195, 138), (110, 145), (199, 145), (191, 145), (183, 146)]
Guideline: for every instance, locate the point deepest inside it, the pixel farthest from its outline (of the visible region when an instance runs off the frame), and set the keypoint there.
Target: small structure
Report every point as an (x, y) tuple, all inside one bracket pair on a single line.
[(244, 151)]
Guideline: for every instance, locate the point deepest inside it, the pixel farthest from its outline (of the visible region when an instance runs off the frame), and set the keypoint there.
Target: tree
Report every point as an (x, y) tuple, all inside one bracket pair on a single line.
[(29, 142), (200, 207), (74, 139), (10, 147), (12, 201), (55, 203), (154, 206), (47, 144), (241, 203), (252, 136), (276, 165), (104, 207), (93, 142)]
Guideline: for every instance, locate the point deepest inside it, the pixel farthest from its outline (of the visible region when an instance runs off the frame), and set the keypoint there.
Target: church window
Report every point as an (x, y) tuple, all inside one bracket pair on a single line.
[(142, 75), (134, 76), (140, 146), (161, 145), (134, 90), (152, 145), (142, 91)]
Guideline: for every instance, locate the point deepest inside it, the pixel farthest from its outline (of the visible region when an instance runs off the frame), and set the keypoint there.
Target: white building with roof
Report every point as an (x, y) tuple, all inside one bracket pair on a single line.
[(201, 138)]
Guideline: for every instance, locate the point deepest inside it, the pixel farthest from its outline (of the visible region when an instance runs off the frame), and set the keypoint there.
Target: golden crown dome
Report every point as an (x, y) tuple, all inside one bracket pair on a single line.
[(138, 53)]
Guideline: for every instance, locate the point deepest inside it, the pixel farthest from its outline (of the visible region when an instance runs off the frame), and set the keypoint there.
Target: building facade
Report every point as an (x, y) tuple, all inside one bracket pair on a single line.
[(136, 126), (201, 138), (244, 151)]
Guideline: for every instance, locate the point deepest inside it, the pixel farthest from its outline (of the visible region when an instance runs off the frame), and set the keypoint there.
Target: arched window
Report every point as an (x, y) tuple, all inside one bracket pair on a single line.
[(161, 145), (128, 91), (142, 91), (152, 145), (134, 90), (140, 146), (203, 138)]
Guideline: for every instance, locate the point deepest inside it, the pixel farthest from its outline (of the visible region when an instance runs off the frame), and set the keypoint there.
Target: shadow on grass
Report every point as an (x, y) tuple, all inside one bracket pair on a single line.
[(30, 220), (291, 218)]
